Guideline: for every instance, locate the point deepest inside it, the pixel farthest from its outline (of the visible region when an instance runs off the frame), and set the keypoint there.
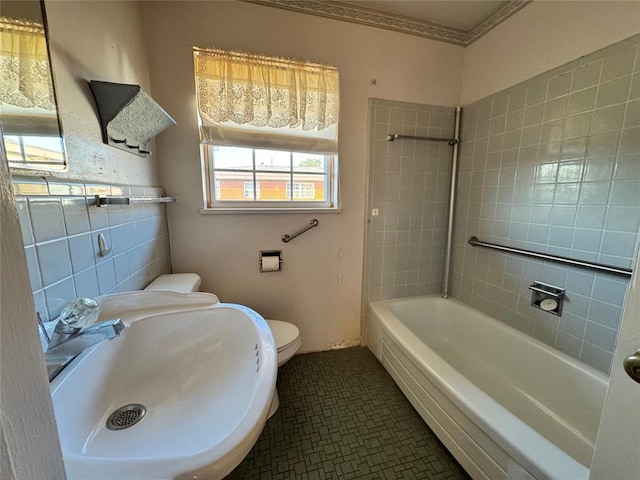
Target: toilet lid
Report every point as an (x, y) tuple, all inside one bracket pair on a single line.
[(284, 333)]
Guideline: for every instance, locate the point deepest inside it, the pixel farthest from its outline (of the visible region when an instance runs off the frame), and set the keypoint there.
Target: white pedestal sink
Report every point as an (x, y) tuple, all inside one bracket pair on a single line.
[(204, 376)]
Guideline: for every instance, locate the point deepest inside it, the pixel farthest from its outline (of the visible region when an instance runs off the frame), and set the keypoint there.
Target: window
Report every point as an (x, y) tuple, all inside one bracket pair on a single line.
[(267, 124), (302, 191), (249, 190), (238, 172), (30, 150)]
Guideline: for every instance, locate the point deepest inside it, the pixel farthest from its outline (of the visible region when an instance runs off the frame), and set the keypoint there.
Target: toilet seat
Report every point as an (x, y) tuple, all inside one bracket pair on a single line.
[(284, 333), (287, 339)]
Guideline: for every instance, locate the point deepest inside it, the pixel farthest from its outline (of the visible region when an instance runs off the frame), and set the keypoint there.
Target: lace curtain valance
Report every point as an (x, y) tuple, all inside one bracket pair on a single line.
[(25, 80), (260, 101)]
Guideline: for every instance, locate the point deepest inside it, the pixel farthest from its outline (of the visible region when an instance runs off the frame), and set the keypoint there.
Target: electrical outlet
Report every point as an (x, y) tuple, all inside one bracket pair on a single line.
[(374, 212)]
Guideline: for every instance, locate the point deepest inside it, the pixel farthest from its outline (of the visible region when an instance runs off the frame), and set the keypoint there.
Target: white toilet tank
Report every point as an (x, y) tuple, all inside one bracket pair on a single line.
[(176, 282)]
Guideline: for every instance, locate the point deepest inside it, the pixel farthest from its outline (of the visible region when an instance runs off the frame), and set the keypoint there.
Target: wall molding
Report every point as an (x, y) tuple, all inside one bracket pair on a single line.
[(398, 23)]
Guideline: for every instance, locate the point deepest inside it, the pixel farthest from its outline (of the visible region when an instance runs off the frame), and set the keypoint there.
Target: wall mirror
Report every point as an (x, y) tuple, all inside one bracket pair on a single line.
[(28, 111)]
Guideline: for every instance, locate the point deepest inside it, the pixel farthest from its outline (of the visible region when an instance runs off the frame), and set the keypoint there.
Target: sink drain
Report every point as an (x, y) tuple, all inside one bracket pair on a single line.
[(126, 416)]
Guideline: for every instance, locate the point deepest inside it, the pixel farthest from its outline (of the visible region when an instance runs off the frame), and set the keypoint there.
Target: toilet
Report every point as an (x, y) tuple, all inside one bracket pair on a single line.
[(287, 338), (285, 334)]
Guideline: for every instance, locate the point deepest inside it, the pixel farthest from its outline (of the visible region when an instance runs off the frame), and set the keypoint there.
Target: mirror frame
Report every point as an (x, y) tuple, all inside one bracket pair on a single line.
[(38, 170)]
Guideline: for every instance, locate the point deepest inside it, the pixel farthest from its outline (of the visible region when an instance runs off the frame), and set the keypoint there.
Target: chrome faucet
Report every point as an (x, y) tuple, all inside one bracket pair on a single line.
[(69, 340), (71, 336)]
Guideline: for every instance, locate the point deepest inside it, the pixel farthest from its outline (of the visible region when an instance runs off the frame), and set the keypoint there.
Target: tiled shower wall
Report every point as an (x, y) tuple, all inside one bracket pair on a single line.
[(60, 225), (553, 165), (409, 185)]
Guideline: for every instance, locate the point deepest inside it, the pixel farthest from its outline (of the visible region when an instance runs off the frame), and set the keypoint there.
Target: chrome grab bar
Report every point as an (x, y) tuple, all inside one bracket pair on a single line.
[(475, 241), (314, 223)]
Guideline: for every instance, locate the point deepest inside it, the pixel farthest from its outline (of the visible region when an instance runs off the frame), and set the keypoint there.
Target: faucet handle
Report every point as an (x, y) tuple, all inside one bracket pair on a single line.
[(80, 312), (115, 324)]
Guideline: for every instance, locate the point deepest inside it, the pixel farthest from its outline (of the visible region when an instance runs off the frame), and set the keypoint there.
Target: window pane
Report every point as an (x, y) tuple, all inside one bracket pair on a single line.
[(273, 180), (308, 162), (234, 158), (231, 186), (309, 188), (273, 160), (34, 149), (273, 186)]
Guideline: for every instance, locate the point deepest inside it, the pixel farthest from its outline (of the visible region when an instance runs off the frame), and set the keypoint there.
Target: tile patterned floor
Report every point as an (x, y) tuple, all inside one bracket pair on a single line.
[(341, 416)]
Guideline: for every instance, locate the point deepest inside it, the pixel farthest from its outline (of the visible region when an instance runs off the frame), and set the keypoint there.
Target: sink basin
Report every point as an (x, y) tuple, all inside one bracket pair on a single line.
[(204, 376)]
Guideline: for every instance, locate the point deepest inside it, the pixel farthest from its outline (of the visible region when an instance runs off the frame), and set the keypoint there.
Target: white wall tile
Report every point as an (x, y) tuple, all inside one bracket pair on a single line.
[(98, 217), (621, 244), (54, 261), (106, 276), (46, 217), (75, 215), (82, 252), (119, 239), (574, 151), (409, 184), (121, 265), (623, 219), (605, 314), (597, 357), (86, 283), (62, 268)]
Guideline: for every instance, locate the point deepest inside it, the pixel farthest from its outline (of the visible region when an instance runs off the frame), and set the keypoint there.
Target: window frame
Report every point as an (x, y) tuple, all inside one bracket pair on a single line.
[(212, 205)]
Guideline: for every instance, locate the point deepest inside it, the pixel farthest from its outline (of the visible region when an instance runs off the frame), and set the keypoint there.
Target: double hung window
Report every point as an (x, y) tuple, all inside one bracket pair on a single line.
[(268, 131)]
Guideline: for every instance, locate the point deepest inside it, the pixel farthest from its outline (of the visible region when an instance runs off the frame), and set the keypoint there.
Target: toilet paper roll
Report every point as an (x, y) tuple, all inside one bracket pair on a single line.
[(548, 304), (270, 264)]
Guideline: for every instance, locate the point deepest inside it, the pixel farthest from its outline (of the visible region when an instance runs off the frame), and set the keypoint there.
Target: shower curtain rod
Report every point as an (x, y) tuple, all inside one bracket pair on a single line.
[(394, 136)]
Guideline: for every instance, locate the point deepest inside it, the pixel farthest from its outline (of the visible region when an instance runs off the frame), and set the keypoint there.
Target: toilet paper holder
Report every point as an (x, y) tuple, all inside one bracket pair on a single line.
[(270, 260), (547, 298)]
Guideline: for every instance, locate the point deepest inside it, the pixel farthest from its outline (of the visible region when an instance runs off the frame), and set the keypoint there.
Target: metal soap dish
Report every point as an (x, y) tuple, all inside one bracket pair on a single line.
[(547, 298)]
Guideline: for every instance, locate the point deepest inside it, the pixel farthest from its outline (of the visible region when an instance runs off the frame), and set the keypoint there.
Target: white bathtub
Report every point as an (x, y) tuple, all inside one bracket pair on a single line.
[(503, 403)]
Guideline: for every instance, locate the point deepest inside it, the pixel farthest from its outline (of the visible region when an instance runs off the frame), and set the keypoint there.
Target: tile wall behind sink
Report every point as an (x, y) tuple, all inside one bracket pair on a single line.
[(60, 226)]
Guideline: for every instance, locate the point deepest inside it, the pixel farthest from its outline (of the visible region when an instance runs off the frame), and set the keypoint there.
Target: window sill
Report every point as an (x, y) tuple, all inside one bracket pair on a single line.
[(254, 211)]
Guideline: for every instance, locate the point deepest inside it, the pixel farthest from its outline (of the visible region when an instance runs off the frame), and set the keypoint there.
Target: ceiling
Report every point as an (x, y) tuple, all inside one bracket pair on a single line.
[(460, 14), (460, 22)]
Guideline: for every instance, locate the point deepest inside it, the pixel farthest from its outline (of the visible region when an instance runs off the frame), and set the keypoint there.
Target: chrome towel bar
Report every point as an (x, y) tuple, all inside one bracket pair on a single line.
[(394, 136), (475, 241), (103, 200), (314, 223)]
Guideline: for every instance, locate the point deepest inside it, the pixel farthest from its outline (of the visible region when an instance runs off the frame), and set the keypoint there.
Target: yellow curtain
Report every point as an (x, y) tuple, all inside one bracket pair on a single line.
[(256, 100), (25, 78)]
